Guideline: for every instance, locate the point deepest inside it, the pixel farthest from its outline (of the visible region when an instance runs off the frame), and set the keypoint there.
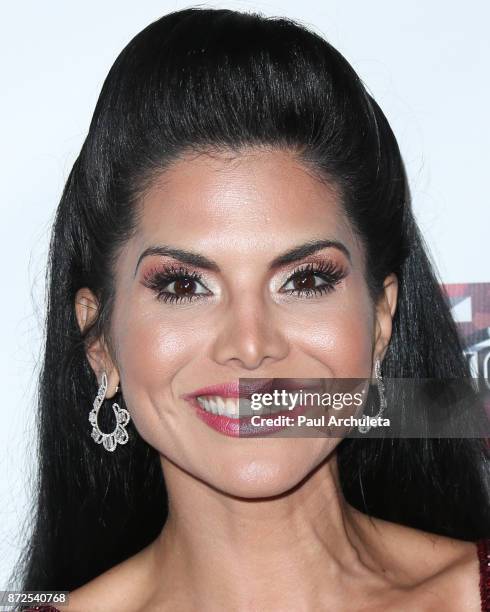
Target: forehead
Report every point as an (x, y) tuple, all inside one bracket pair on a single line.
[(260, 200)]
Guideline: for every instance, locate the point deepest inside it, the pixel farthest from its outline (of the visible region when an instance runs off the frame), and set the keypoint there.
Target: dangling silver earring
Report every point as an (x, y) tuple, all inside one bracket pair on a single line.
[(119, 435), (381, 393)]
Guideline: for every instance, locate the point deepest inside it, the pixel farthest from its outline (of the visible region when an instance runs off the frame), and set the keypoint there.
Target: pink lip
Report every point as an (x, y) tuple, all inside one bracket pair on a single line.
[(230, 389), (242, 427), (236, 389)]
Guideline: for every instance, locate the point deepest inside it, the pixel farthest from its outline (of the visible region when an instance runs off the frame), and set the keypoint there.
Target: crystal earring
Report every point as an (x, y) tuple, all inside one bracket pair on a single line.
[(119, 435), (381, 393)]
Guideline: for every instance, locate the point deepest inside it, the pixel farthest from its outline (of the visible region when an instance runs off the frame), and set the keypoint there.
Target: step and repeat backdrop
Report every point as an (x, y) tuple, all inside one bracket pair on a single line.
[(470, 307)]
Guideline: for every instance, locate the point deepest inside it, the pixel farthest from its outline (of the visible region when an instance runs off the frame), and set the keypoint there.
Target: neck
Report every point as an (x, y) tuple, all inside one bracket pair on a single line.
[(274, 553)]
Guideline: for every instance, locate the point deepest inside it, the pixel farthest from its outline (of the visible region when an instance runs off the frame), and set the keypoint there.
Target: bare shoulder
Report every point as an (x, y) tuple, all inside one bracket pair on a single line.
[(464, 574), (457, 582), (116, 590), (430, 568)]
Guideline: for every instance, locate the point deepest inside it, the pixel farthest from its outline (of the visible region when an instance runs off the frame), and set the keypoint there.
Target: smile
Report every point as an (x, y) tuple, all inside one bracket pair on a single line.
[(232, 408)]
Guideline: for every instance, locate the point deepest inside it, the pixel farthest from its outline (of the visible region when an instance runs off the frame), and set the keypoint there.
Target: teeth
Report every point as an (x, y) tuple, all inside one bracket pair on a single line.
[(219, 405), (213, 406), (231, 407)]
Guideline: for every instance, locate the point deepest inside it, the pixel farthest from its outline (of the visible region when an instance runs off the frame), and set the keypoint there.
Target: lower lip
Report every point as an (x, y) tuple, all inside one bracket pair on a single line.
[(242, 427)]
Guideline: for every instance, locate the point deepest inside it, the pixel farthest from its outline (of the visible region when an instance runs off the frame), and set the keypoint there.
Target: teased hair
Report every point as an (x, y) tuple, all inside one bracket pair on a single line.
[(200, 79)]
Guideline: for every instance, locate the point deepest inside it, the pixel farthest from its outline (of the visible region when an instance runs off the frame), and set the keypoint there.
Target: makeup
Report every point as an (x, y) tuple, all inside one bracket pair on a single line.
[(227, 409), (176, 283)]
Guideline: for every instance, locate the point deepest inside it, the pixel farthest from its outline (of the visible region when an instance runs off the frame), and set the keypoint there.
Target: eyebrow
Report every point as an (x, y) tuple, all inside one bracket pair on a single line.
[(200, 261)]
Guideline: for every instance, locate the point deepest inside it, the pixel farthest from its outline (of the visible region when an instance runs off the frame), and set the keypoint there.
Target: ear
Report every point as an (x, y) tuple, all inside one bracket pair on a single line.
[(385, 311), (98, 355)]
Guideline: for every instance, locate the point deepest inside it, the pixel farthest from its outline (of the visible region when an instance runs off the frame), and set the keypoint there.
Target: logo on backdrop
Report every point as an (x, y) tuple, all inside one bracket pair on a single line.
[(470, 307)]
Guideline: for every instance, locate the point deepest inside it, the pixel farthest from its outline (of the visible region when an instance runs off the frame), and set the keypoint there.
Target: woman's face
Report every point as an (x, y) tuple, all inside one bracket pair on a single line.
[(239, 316)]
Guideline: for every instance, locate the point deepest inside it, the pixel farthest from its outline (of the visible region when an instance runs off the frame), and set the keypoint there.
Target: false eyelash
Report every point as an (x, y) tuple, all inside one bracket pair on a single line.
[(157, 279), (327, 270)]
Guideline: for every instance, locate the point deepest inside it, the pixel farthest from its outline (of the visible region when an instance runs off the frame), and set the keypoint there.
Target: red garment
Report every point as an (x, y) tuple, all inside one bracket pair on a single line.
[(483, 550), (484, 556)]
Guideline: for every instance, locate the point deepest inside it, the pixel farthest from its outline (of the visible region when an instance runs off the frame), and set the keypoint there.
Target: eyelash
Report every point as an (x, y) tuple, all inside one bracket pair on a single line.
[(158, 279), (328, 271)]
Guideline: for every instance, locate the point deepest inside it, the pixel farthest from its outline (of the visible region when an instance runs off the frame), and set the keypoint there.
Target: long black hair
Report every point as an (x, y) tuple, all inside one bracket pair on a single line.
[(206, 79)]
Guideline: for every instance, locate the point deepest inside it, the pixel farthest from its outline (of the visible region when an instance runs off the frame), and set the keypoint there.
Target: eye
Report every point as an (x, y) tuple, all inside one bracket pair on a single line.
[(175, 284), (314, 279)]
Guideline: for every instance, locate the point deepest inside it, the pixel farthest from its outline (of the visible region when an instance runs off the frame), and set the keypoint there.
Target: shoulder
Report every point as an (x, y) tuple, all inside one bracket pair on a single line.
[(437, 568), (118, 589), (432, 569), (460, 579), (428, 570)]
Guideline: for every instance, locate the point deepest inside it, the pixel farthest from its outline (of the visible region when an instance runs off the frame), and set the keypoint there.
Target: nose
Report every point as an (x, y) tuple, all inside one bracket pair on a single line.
[(250, 335)]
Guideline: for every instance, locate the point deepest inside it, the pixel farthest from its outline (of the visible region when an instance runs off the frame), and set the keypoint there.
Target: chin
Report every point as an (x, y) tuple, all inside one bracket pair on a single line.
[(261, 477)]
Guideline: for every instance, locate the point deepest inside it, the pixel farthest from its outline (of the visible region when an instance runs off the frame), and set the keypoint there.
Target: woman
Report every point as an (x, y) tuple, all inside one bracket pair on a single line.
[(239, 209)]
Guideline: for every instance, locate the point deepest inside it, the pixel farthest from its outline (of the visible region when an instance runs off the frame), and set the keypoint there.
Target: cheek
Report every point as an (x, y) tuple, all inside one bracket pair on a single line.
[(152, 348), (339, 335)]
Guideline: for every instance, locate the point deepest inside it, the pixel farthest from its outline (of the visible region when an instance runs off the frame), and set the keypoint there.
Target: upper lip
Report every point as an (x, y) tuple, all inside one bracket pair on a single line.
[(245, 388)]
